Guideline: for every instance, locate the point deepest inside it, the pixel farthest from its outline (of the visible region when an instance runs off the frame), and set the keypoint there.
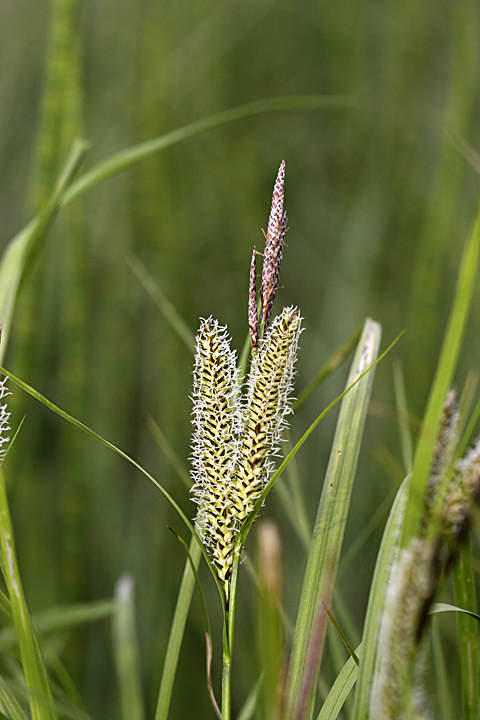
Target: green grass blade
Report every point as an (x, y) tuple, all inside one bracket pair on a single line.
[(206, 623), (40, 697), (465, 597), (176, 634), (9, 703), (170, 453), (60, 618), (388, 549), (258, 504), (402, 414), (128, 157), (446, 607), (41, 398), (334, 362), (163, 303), (17, 252), (126, 651), (328, 534), (442, 381), (342, 686), (445, 700), (250, 705)]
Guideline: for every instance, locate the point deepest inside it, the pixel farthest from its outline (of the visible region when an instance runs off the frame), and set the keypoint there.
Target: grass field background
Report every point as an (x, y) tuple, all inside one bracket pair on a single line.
[(381, 191)]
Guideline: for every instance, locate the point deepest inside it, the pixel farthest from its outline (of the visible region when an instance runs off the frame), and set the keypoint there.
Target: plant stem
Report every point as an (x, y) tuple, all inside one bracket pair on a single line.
[(228, 627)]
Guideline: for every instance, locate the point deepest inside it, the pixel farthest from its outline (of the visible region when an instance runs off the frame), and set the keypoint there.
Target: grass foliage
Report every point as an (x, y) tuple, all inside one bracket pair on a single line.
[(112, 249)]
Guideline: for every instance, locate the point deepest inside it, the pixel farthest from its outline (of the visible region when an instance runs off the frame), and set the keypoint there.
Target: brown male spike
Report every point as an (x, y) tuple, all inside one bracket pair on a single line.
[(272, 257), (252, 302)]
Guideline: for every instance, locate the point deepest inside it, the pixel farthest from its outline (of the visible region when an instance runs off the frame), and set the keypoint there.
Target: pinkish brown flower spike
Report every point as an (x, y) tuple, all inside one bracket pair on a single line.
[(252, 302), (277, 227)]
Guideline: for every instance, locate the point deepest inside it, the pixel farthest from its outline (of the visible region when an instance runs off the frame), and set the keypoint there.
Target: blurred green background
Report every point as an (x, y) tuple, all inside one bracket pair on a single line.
[(381, 191)]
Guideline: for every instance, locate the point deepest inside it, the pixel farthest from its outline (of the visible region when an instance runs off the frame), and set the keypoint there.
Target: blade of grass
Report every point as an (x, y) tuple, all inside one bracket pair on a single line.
[(340, 689), (445, 700), (170, 453), (465, 596), (41, 398), (59, 618), (126, 651), (402, 414), (206, 624), (125, 158), (334, 362), (327, 539), (20, 248), (258, 504), (163, 303), (388, 549), (176, 633), (9, 703), (40, 696), (442, 381)]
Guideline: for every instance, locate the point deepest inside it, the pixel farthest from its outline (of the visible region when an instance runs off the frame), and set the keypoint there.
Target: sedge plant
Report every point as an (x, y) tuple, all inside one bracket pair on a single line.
[(236, 435)]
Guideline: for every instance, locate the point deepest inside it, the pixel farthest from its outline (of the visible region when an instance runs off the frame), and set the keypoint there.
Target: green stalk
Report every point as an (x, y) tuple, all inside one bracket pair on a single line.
[(228, 628)]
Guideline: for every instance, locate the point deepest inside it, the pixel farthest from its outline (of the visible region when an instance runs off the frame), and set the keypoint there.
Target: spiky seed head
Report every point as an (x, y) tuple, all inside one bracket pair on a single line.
[(412, 582), (252, 302), (216, 422), (272, 257), (268, 403), (443, 459)]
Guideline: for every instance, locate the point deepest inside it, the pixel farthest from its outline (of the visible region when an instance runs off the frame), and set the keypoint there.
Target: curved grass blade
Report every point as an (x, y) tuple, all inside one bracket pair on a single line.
[(59, 618), (388, 549), (342, 686), (334, 362), (162, 302), (442, 381), (125, 158), (251, 518), (126, 651), (446, 607), (41, 398), (206, 624), (170, 453), (10, 704), (176, 633), (40, 696), (20, 248), (322, 564)]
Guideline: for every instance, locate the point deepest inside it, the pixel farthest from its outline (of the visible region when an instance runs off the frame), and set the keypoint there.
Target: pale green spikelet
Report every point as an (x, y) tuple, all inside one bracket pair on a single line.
[(267, 405), (216, 421)]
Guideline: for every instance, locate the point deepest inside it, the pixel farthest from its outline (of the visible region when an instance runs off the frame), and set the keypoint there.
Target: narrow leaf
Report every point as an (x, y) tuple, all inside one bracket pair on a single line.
[(126, 651), (40, 697), (327, 539), (342, 686), (442, 381)]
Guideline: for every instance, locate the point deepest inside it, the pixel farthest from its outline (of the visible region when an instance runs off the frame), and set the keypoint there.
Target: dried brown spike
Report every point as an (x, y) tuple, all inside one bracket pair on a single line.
[(277, 227), (252, 302)]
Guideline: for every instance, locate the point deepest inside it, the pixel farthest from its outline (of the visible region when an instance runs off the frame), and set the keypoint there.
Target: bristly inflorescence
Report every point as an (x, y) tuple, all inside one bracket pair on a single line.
[(235, 437), (217, 424)]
